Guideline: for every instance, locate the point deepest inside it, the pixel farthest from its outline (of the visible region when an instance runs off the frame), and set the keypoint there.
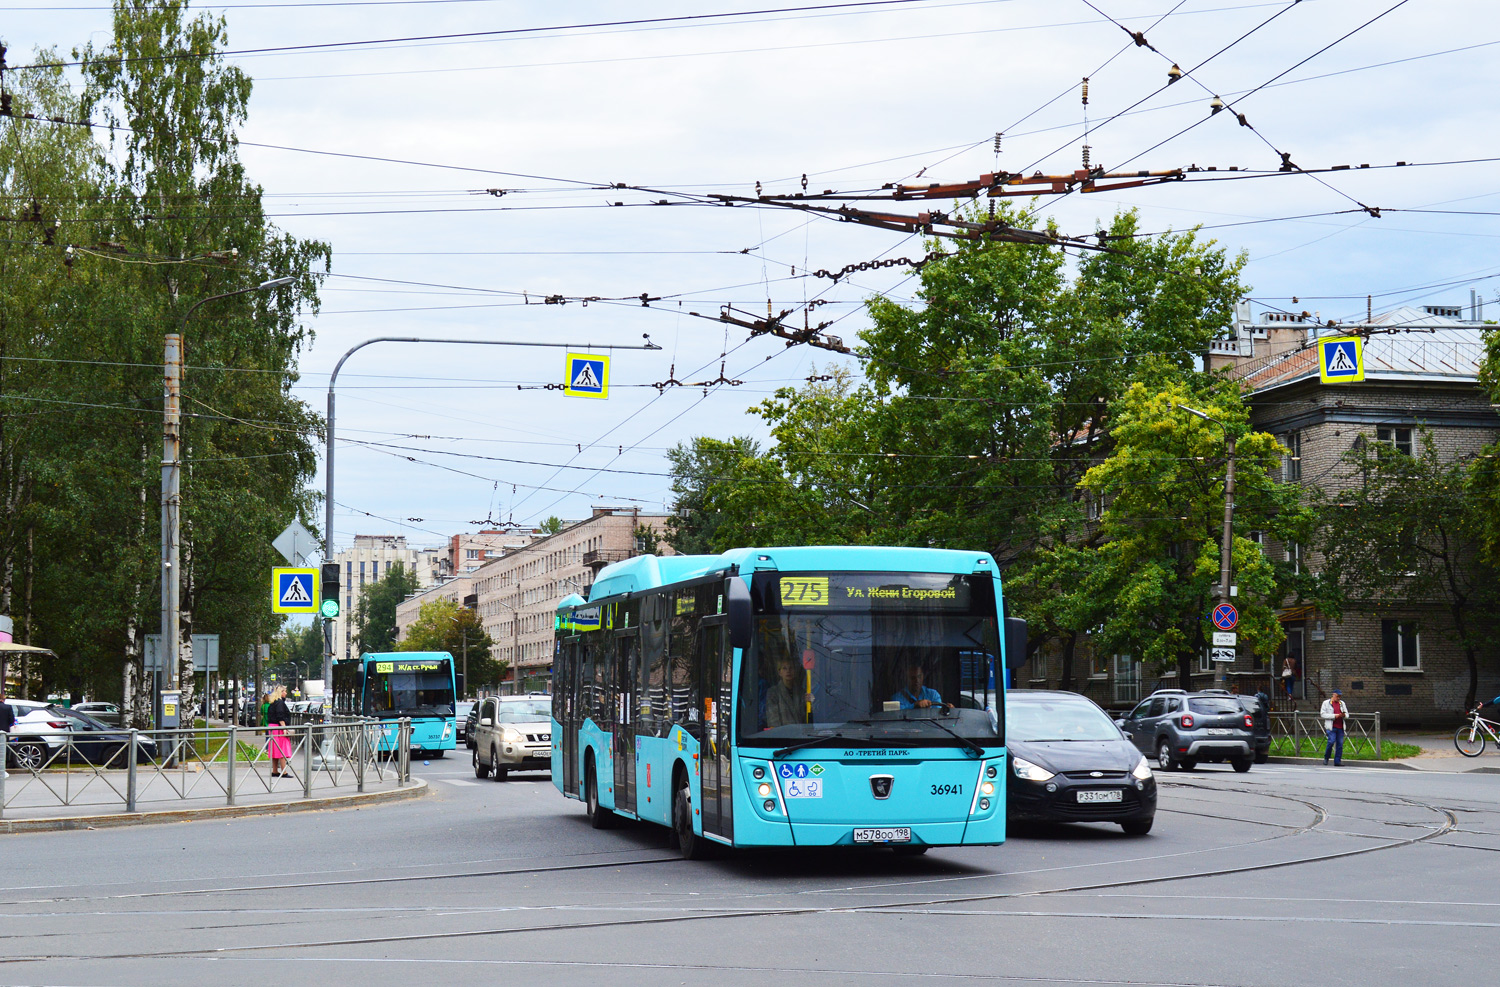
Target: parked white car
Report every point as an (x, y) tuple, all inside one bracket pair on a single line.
[(513, 733)]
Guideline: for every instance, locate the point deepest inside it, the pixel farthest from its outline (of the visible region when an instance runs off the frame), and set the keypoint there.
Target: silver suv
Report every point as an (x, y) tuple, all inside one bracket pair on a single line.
[(1181, 728), (513, 733)]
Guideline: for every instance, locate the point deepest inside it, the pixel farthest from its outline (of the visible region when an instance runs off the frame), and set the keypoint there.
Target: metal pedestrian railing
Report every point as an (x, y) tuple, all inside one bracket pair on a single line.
[(165, 769), (1300, 733)]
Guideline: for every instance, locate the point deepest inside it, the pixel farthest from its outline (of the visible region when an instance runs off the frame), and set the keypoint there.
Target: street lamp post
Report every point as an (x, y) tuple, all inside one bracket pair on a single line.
[(171, 485), (1226, 546), (328, 449)]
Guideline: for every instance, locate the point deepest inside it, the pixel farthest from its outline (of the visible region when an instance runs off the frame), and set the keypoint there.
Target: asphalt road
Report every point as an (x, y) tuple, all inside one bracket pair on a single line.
[(1289, 875)]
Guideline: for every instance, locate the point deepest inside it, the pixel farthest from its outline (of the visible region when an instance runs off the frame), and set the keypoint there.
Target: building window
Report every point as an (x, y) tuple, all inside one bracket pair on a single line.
[(1293, 463), (1099, 666), (1398, 437), (1294, 556), (1400, 645), (471, 553)]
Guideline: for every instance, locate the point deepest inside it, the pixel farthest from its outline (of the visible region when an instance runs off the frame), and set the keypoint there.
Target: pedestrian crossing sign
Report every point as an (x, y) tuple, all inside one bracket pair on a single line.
[(294, 590), (1341, 359), (587, 376)]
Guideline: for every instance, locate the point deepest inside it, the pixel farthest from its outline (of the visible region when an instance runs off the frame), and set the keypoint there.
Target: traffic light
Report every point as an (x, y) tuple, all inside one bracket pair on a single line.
[(330, 583)]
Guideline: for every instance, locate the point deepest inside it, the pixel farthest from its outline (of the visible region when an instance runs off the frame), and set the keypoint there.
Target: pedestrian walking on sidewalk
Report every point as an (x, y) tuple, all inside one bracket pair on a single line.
[(1333, 712), (278, 718)]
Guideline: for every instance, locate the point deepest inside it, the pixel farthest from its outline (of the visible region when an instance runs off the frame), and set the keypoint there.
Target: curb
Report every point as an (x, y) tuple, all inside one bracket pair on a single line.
[(416, 789), (1397, 765)]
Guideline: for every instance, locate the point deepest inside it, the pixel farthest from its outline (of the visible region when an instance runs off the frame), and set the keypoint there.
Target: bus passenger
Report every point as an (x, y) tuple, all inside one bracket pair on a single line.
[(917, 695), (785, 702)]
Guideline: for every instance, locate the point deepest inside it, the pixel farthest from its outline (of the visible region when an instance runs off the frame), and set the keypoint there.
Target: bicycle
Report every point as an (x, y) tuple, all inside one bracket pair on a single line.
[(1470, 738)]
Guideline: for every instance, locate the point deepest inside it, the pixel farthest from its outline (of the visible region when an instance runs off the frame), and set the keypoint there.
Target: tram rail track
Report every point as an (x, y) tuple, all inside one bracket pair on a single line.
[(1447, 823)]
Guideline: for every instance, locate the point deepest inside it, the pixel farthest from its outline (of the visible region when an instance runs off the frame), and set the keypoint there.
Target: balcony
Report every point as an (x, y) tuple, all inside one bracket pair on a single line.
[(600, 558)]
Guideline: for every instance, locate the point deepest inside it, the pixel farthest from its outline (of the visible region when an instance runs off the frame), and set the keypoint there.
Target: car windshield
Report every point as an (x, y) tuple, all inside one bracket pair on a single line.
[(1057, 719), (524, 711), (1205, 707), (885, 657), (464, 708)]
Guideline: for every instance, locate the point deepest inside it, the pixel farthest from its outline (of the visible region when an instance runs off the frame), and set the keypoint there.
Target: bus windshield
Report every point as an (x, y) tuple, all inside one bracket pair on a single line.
[(882, 657), (428, 692)]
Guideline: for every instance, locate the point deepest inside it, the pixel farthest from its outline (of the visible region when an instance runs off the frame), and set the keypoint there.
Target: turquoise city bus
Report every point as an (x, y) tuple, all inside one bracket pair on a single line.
[(414, 684), (781, 697)]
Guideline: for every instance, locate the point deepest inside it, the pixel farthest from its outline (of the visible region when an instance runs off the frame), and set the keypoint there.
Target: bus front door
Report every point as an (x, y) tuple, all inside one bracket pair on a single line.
[(625, 720), (714, 660)]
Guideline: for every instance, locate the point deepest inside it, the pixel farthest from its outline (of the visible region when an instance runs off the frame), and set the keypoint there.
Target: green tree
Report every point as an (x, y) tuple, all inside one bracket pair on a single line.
[(982, 409), (375, 610), (443, 625), (1152, 579), (1409, 534), (120, 240), (552, 525), (696, 467)]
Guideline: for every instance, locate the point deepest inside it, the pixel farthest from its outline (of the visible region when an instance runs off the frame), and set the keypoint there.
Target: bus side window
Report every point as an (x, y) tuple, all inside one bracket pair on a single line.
[(682, 645), (654, 657)]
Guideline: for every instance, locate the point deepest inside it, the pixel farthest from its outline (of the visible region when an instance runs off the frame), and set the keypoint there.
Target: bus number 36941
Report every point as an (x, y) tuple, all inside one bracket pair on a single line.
[(947, 789)]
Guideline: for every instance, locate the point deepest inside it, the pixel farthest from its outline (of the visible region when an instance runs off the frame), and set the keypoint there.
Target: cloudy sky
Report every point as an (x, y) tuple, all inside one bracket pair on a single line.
[(388, 141)]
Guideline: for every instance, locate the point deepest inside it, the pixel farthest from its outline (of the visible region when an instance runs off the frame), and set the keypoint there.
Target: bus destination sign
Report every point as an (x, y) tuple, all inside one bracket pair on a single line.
[(423, 665), (870, 591)]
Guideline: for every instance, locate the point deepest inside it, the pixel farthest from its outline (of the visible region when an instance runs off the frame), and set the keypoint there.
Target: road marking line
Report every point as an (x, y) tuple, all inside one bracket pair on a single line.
[(457, 781)]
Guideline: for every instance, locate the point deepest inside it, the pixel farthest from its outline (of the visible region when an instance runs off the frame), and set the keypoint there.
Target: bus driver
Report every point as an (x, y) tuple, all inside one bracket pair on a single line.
[(917, 695)]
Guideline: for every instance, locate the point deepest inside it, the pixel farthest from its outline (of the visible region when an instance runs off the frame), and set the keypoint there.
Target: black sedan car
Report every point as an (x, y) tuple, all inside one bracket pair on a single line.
[(1070, 763)]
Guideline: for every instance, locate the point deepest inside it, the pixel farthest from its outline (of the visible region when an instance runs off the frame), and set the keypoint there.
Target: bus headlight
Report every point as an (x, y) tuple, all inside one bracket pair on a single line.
[(765, 789), (988, 788), (984, 805)]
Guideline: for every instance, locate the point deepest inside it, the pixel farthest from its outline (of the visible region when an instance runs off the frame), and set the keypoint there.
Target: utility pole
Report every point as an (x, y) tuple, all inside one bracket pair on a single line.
[(1226, 546)]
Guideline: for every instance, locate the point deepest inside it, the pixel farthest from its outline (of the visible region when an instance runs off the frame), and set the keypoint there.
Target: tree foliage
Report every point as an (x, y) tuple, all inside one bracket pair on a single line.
[(375, 610), (443, 625), (696, 467), (116, 237)]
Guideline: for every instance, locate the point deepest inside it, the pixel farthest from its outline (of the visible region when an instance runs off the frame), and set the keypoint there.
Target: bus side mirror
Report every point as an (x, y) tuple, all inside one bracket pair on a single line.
[(1015, 642), (737, 605)]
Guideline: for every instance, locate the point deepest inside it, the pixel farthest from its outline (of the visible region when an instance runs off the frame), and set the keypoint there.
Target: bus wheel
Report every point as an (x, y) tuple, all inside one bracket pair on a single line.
[(693, 846), (481, 770), (599, 816)]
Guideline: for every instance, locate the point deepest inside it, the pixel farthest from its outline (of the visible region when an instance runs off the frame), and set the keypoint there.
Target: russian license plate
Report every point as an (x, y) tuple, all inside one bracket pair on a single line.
[(888, 834), (1218, 732), (803, 788), (1108, 796)]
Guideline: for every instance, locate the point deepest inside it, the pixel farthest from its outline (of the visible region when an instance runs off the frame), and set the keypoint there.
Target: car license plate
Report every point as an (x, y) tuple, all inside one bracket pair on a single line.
[(1218, 732), (803, 788), (888, 834), (1109, 796)]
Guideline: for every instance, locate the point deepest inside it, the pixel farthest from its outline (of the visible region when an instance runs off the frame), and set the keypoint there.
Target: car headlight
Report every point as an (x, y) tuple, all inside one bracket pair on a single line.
[(1030, 772), (1142, 771), (510, 735)]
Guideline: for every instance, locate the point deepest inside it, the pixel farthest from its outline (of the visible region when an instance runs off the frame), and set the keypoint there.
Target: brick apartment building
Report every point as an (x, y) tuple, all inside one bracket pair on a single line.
[(518, 592)]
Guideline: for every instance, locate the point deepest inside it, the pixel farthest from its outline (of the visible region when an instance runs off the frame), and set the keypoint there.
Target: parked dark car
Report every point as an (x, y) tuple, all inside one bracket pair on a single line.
[(1182, 728), (464, 716), (1069, 763), (48, 736)]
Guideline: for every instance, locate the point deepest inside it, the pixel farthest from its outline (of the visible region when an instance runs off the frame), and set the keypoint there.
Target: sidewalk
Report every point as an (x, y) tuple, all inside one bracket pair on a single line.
[(82, 798), (1437, 754)]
